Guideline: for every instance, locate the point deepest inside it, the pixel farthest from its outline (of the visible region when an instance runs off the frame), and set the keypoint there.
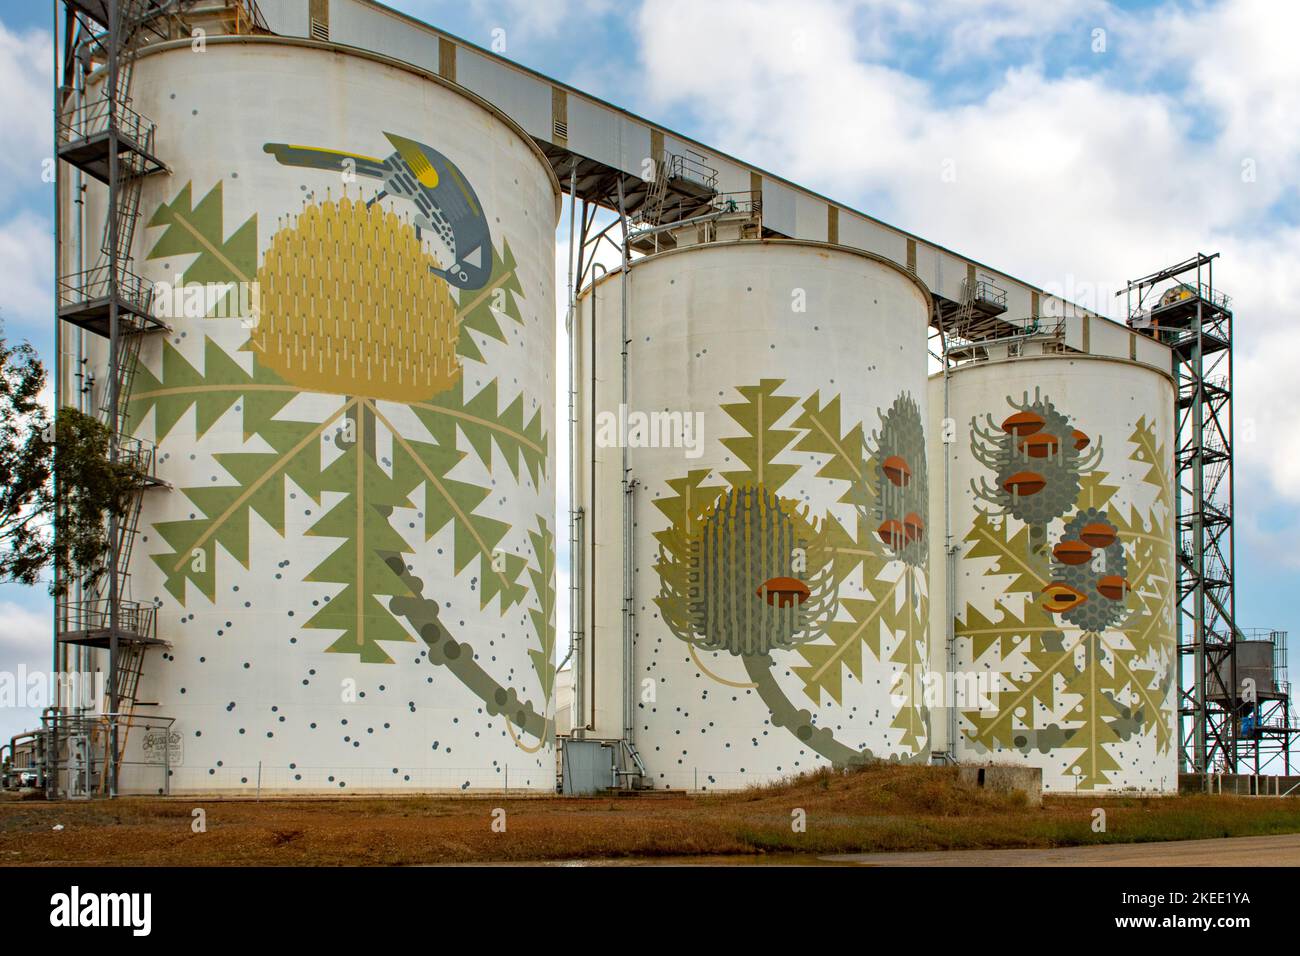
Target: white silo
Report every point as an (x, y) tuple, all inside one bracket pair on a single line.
[(354, 408), (1061, 506), (776, 498)]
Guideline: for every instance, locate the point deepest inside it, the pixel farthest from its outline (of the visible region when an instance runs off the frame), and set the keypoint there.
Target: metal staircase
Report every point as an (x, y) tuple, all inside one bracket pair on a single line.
[(683, 184), (1180, 307), (651, 212), (978, 328), (109, 141), (965, 316), (978, 317)]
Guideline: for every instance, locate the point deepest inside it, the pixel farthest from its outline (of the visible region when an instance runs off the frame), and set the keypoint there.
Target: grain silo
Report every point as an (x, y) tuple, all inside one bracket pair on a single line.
[(769, 410), (353, 406), (343, 218), (1059, 627)]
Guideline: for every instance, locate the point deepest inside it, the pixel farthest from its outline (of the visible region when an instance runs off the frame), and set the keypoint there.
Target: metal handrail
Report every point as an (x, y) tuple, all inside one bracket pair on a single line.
[(95, 118), (1030, 327), (741, 202), (985, 291), (1202, 290), (94, 283), (95, 614), (686, 167), (1270, 634), (139, 453)]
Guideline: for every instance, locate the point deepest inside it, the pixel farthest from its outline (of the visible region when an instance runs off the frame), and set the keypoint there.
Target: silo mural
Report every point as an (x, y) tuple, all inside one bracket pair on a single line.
[(355, 566), (781, 567), (1063, 514)]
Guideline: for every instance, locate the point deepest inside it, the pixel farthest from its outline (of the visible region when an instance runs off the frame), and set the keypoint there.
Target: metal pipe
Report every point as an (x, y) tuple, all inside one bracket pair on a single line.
[(667, 227), (575, 510), (578, 598), (591, 531), (629, 667), (58, 654), (1225, 322), (949, 549), (1198, 541), (49, 753), (114, 350), (80, 654)]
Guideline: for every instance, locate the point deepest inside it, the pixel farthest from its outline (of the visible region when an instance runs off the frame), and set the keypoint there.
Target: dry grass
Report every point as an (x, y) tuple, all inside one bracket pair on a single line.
[(880, 808)]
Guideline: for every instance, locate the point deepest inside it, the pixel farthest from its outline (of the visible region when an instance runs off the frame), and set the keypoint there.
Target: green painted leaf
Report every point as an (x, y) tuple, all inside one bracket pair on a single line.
[(199, 230), (451, 501), (1013, 553), (212, 392), (1005, 634), (543, 616), (226, 508), (369, 541), (846, 457), (478, 313), (1095, 713), (827, 662), (757, 450), (486, 426), (1148, 450), (908, 622), (1050, 655)]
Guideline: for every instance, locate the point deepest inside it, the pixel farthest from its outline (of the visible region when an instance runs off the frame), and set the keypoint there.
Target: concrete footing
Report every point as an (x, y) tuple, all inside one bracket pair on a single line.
[(1026, 780)]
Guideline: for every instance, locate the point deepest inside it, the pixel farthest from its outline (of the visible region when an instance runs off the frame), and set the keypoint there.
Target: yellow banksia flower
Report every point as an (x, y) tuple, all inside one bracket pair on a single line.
[(348, 306)]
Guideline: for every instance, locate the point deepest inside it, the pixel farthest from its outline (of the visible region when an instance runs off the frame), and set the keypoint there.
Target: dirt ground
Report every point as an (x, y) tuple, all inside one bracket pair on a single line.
[(876, 810)]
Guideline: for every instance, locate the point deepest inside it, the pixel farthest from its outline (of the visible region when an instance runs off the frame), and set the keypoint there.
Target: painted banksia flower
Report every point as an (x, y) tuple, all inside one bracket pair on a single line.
[(1038, 458), (348, 305), (758, 577), (1089, 587), (901, 485)]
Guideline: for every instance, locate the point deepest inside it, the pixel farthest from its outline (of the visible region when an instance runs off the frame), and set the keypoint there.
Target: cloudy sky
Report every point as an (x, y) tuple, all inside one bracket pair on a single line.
[(1092, 142)]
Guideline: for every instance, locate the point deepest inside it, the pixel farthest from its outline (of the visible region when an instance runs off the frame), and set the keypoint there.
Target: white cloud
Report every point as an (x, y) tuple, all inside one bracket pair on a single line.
[(1239, 59), (525, 20), (26, 272), (1071, 181), (25, 91), (25, 636), (968, 30), (1268, 440), (26, 246), (24, 648), (1267, 540)]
